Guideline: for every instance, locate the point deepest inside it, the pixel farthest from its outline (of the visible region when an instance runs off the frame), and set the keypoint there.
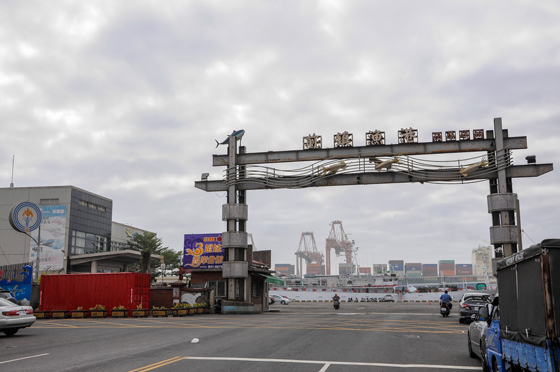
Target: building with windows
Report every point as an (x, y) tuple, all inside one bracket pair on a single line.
[(481, 258), (76, 232), (121, 234)]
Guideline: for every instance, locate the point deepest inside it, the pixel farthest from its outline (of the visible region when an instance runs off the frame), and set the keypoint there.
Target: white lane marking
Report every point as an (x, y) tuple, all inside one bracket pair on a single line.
[(365, 313), (433, 366), (325, 367), (29, 357)]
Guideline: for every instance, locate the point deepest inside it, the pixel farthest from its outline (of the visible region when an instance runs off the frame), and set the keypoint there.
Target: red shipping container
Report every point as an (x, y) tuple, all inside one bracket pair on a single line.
[(70, 291), (314, 269), (447, 272)]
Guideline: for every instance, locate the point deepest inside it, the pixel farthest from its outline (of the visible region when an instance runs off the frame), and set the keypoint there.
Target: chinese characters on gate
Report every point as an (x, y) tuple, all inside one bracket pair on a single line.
[(377, 137)]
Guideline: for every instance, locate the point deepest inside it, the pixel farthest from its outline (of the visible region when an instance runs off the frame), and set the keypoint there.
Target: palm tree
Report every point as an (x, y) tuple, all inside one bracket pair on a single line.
[(147, 244)]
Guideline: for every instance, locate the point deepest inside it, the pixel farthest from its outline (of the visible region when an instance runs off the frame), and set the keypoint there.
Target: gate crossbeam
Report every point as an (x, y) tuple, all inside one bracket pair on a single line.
[(421, 148), (373, 178)]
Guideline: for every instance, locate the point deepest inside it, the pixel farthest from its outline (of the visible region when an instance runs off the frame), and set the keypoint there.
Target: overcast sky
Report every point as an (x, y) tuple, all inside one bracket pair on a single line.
[(125, 99)]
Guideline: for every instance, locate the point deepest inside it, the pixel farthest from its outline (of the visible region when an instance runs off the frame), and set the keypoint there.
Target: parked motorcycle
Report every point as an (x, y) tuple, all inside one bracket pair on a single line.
[(444, 309)]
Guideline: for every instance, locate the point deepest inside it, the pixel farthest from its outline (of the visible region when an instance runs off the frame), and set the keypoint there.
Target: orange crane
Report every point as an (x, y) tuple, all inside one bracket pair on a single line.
[(338, 240), (307, 251)]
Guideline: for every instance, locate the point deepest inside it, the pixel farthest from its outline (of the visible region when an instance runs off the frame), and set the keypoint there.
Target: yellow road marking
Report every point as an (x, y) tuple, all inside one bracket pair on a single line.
[(157, 365), (367, 325)]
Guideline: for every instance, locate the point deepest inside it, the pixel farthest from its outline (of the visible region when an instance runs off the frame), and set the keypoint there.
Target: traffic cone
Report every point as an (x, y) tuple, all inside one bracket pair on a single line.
[(429, 302)]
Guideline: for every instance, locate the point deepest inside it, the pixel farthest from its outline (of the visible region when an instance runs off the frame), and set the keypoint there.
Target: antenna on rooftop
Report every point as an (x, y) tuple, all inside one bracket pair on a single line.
[(12, 183)]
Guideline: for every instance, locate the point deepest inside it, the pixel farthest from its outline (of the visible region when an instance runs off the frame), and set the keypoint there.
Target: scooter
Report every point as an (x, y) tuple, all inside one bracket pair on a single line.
[(444, 309), (336, 304)]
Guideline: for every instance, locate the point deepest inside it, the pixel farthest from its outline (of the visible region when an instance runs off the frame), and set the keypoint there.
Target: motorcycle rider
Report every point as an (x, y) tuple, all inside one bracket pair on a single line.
[(447, 299), (336, 301)]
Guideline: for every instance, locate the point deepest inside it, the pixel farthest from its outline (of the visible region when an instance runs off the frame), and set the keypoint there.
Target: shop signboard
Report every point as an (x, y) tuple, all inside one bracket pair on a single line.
[(203, 251)]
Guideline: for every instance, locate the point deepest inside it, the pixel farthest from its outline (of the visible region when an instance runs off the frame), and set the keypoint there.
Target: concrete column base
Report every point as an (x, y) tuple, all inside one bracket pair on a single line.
[(238, 307)]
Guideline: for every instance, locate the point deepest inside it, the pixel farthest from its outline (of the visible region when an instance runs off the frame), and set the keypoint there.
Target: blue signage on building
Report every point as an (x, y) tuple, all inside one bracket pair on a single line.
[(17, 279)]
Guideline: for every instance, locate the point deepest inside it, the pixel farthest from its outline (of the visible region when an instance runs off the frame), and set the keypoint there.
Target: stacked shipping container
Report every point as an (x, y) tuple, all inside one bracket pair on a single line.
[(429, 270), (365, 270), (413, 269), (379, 269), (396, 266), (70, 291), (315, 268), (345, 269), (446, 267), (285, 269), (464, 269)]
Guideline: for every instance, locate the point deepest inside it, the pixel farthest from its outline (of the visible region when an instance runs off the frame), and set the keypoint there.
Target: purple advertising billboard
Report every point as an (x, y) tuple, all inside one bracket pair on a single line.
[(203, 251)]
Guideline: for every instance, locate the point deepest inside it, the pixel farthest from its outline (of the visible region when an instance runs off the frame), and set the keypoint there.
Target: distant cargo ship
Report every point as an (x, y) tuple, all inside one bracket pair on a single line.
[(322, 287)]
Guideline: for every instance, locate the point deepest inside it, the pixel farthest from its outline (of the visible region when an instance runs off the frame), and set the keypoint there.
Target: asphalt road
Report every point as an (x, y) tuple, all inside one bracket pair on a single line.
[(306, 337)]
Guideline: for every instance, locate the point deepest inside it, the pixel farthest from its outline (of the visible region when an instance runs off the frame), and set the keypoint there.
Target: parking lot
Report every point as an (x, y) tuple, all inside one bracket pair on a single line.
[(310, 337)]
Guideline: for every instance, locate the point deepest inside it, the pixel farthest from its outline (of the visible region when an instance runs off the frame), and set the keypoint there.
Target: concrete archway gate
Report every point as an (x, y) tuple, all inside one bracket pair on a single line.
[(374, 163)]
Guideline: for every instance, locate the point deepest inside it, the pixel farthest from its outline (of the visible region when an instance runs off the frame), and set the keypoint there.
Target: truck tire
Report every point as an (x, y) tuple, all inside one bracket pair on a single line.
[(495, 365)]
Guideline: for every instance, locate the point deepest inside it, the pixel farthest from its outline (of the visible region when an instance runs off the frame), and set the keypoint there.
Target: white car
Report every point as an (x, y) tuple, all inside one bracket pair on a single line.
[(14, 317), (280, 299), (389, 298)]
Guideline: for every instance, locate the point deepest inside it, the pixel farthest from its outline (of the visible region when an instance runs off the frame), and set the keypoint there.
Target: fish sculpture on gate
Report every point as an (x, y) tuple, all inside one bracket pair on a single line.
[(237, 134), (332, 169), (465, 171), (387, 164)]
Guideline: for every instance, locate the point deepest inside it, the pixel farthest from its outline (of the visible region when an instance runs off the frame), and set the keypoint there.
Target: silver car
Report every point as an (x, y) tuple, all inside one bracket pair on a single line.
[(280, 299), (477, 335), (14, 317)]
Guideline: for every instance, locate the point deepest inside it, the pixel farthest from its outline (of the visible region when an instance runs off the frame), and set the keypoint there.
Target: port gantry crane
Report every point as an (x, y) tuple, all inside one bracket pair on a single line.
[(338, 240), (307, 251)]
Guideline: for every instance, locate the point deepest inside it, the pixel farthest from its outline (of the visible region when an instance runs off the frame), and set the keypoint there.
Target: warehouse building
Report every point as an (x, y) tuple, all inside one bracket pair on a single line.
[(77, 232)]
